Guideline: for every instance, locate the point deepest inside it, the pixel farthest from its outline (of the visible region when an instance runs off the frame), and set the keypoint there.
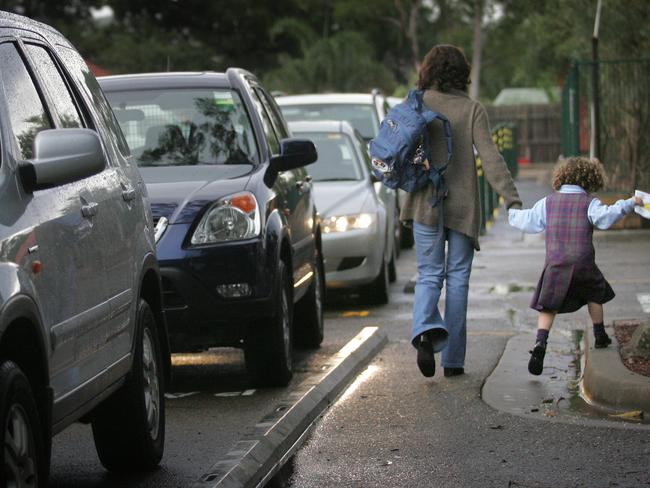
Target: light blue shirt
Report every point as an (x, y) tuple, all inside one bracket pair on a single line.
[(601, 216)]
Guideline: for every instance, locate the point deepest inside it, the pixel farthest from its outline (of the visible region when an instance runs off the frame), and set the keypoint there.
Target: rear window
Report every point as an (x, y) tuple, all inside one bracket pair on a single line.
[(337, 159), (362, 117), (183, 127)]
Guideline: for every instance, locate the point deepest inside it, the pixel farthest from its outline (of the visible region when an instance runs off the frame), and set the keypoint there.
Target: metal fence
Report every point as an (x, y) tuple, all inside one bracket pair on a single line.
[(624, 119), (538, 129)]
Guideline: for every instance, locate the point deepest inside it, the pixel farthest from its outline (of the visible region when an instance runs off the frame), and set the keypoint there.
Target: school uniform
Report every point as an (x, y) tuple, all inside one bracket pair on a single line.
[(570, 278)]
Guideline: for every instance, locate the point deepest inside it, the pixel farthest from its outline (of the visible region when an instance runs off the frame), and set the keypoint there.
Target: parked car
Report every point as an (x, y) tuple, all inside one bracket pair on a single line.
[(358, 241), (364, 111), (392, 101), (239, 238), (82, 331)]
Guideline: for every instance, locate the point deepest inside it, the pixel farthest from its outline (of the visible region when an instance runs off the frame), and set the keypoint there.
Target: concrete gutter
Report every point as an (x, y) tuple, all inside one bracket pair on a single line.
[(607, 382), (253, 460)]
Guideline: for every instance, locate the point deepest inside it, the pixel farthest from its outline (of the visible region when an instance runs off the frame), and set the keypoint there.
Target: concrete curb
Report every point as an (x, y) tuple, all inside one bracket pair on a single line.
[(253, 460), (607, 382)]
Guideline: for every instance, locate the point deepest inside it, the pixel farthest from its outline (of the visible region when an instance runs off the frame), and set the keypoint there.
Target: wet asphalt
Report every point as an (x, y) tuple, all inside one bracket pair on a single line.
[(392, 427), (396, 428)]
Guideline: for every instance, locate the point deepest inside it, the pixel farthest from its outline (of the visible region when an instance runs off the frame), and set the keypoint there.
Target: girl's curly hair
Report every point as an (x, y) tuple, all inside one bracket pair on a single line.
[(444, 67), (581, 171)]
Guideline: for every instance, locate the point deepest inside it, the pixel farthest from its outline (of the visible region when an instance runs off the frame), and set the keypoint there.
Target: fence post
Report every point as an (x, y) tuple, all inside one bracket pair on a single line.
[(571, 112)]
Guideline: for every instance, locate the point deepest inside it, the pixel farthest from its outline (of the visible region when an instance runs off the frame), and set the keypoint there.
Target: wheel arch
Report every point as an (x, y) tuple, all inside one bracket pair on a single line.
[(151, 292), (23, 341)]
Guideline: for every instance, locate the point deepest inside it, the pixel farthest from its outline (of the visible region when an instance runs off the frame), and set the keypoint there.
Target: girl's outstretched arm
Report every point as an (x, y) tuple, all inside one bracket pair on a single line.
[(532, 220), (604, 216)]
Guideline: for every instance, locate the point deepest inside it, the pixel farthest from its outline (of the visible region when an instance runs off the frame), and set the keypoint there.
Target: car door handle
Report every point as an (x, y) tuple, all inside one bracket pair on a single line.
[(128, 194), (89, 210)]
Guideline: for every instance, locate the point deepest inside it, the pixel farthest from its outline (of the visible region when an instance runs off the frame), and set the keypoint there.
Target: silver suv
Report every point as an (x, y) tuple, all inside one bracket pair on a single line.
[(82, 334)]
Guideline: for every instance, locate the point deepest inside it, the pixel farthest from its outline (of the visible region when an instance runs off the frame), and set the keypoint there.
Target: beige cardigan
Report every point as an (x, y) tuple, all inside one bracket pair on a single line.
[(470, 128)]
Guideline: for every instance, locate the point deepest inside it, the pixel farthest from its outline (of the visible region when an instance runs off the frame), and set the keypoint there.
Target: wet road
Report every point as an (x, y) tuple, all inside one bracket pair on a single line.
[(399, 429), (393, 428)]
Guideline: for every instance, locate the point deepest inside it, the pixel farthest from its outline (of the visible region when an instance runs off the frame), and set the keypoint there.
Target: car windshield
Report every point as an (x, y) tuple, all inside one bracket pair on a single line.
[(181, 127), (362, 117), (337, 159)]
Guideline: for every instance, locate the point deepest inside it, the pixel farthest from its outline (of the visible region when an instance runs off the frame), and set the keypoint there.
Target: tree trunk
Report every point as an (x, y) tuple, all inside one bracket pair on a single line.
[(477, 49), (409, 27)]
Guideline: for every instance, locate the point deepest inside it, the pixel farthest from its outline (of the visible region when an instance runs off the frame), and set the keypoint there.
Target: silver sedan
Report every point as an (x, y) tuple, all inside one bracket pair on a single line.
[(358, 247)]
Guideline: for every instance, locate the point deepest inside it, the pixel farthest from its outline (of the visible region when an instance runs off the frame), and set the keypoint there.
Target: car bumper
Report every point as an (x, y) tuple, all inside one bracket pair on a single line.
[(198, 315), (352, 258)]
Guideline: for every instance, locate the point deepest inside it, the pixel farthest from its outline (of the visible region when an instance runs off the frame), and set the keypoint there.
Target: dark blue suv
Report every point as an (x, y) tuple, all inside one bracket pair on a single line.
[(238, 235)]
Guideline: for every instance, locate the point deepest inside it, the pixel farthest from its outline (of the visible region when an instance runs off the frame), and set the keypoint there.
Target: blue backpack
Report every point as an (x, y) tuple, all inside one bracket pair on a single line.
[(403, 143)]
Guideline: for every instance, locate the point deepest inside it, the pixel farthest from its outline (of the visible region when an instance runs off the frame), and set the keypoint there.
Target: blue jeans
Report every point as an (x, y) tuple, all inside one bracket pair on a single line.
[(435, 267)]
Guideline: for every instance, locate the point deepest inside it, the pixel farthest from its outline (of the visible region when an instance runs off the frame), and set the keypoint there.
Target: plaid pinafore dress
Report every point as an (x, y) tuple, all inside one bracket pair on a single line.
[(570, 278)]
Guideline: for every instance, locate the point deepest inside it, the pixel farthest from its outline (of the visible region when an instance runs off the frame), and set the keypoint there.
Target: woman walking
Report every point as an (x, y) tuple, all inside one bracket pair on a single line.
[(444, 77)]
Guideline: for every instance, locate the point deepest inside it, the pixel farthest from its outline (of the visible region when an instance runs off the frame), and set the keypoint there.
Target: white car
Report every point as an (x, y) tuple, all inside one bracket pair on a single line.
[(358, 243), (364, 111)]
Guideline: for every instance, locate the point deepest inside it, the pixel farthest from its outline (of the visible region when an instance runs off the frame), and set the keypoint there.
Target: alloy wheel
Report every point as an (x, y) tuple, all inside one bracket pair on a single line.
[(19, 450), (151, 384)]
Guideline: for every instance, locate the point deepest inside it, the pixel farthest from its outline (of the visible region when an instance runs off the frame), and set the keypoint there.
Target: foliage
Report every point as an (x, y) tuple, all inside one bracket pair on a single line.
[(302, 45), (330, 65)]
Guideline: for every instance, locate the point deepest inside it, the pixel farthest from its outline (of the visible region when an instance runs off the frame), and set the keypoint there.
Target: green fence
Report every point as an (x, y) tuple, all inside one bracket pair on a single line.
[(624, 119), (504, 136)]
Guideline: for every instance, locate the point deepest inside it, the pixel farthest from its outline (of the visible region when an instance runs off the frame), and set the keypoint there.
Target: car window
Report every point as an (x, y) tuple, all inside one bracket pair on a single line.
[(363, 117), (363, 146), (27, 115), (337, 159), (107, 126), (269, 133), (275, 114), (178, 127), (57, 88)]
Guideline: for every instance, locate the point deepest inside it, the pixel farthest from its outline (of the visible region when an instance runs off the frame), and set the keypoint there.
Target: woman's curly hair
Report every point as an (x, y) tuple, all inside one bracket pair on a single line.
[(444, 67), (581, 171)]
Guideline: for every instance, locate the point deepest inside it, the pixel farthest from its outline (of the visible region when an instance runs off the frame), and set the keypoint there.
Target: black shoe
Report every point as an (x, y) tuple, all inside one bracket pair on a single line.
[(536, 363), (454, 371), (426, 361), (602, 340)]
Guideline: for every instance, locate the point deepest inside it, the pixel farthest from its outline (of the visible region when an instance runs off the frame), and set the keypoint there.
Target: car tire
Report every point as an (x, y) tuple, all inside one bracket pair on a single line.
[(377, 292), (24, 460), (129, 427), (268, 345), (308, 319), (407, 237), (392, 266), (398, 233)]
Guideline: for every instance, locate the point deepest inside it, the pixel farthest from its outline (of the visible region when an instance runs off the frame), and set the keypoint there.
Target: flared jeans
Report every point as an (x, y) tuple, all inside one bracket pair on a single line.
[(450, 267)]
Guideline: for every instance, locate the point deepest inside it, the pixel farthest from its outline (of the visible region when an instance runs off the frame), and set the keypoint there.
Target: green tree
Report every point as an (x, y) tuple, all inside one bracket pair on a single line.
[(331, 65)]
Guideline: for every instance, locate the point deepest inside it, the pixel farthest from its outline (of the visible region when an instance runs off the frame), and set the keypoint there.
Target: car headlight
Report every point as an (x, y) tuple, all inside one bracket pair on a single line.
[(347, 222), (232, 218)]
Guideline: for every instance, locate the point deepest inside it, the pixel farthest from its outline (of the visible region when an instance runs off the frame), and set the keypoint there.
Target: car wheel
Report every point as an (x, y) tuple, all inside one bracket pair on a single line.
[(397, 228), (377, 292), (268, 346), (392, 266), (308, 319), (407, 237), (23, 452), (129, 427)]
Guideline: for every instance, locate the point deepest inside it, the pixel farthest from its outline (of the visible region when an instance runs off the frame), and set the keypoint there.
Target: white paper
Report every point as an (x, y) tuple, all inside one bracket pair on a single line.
[(643, 211)]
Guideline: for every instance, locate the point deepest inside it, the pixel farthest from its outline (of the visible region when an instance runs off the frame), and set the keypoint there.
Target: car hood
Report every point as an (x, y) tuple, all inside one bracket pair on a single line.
[(342, 197), (180, 192)]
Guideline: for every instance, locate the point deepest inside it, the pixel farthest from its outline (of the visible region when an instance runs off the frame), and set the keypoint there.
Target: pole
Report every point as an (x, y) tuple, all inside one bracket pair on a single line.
[(595, 89)]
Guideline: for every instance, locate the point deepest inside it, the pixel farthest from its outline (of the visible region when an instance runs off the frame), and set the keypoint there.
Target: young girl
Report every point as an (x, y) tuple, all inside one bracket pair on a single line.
[(570, 278)]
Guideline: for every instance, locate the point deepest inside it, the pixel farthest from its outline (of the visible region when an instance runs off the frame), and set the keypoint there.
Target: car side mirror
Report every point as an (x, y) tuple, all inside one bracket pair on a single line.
[(62, 156), (294, 153)]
